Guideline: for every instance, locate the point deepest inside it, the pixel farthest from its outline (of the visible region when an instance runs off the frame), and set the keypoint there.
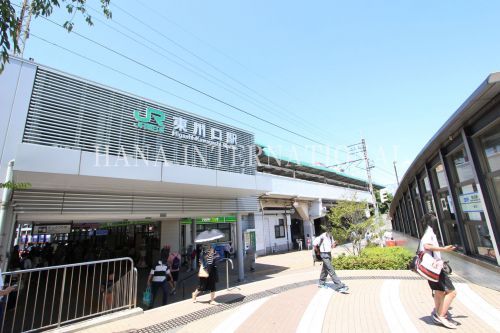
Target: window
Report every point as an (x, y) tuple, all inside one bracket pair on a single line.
[(463, 168), (441, 178), (427, 184), (279, 230)]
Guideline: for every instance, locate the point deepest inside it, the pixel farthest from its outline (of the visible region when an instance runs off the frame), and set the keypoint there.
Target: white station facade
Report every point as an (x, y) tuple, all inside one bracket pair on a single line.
[(112, 169)]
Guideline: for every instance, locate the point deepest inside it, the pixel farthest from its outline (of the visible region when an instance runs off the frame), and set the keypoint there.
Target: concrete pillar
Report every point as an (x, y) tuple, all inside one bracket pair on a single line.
[(193, 237), (240, 247)]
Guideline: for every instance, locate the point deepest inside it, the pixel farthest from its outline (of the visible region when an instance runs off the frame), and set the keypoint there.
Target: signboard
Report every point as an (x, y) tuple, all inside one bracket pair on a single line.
[(210, 220), (123, 224), (154, 121), (249, 237), (147, 131), (52, 229), (470, 202), (101, 232)]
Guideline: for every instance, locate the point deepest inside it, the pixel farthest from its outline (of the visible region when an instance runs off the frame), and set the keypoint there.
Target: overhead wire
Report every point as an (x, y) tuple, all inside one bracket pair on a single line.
[(161, 89), (159, 14), (179, 45), (154, 70), (175, 80), (222, 84)]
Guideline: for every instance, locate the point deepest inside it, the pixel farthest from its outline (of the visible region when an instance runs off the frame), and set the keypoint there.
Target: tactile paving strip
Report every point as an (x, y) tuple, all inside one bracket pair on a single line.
[(173, 324)]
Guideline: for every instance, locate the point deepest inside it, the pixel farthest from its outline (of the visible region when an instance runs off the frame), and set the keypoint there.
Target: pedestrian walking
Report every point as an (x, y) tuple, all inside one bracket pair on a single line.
[(323, 245), (174, 262), (444, 290), (207, 274), (165, 253), (157, 279), (299, 243)]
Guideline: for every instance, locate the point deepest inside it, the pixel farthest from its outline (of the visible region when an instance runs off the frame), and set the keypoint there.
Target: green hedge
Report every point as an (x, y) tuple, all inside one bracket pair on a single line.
[(384, 258)]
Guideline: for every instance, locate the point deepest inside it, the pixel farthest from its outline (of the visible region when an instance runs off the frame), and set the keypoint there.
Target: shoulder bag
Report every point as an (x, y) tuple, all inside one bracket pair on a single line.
[(425, 265), (203, 272)]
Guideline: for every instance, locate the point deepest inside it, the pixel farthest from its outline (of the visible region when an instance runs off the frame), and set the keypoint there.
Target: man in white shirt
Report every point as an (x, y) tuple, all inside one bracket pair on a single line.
[(326, 243), (158, 279)]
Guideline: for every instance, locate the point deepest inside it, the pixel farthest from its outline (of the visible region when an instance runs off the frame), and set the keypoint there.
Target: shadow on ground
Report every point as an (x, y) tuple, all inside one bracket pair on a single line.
[(188, 281)]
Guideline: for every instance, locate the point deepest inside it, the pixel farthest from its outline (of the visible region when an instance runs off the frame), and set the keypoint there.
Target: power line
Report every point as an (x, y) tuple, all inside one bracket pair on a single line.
[(154, 70), (134, 17), (158, 13), (195, 89), (224, 85), (163, 90)]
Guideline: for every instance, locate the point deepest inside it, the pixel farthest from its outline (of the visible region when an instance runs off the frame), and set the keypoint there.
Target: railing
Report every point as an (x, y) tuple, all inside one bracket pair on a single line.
[(52, 296), (183, 281), (227, 270)]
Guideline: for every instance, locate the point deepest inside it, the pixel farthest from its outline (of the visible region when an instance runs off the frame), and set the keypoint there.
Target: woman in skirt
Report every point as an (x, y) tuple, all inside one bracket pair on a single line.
[(207, 262)]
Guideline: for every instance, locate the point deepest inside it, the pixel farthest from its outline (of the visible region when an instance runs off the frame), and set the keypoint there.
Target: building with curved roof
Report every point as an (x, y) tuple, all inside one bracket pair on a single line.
[(457, 176)]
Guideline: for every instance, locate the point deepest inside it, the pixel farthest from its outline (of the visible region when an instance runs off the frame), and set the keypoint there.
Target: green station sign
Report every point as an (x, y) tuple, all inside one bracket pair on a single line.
[(210, 220)]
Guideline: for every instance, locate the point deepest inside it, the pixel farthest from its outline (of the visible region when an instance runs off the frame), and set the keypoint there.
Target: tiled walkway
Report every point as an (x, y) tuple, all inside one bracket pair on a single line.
[(289, 301)]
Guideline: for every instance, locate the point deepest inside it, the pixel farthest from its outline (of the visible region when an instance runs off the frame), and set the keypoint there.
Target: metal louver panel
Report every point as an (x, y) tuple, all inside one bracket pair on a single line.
[(70, 203), (71, 113)]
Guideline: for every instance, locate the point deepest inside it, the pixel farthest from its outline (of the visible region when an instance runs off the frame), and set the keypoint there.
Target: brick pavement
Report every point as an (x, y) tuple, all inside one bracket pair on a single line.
[(360, 311)]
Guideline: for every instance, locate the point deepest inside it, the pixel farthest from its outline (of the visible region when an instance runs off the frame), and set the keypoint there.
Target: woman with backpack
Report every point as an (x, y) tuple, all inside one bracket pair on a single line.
[(174, 262), (444, 291)]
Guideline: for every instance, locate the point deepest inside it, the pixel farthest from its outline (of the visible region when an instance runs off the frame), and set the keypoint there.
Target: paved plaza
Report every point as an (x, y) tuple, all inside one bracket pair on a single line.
[(290, 301)]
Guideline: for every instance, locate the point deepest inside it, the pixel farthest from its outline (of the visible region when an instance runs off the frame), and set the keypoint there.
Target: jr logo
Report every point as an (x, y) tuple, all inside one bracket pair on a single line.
[(144, 121)]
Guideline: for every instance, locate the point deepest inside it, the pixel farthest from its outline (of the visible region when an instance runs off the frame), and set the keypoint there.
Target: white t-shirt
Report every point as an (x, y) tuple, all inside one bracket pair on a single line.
[(161, 272), (326, 245), (430, 237)]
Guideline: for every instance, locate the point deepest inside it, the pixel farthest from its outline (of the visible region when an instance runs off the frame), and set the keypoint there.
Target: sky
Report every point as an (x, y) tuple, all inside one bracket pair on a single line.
[(329, 72)]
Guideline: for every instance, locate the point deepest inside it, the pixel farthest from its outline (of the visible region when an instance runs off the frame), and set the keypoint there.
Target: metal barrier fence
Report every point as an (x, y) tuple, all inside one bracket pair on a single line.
[(52, 296)]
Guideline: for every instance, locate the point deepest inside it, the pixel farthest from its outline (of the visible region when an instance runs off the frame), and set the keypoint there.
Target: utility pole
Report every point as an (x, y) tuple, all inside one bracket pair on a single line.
[(369, 175), (396, 172)]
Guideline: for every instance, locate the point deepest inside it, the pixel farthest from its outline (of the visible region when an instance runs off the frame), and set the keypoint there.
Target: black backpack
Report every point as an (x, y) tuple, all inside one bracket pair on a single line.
[(176, 263)]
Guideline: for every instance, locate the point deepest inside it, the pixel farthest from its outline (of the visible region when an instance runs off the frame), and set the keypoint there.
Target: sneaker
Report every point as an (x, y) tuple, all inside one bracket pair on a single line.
[(343, 290), (435, 318), (322, 285), (446, 323)]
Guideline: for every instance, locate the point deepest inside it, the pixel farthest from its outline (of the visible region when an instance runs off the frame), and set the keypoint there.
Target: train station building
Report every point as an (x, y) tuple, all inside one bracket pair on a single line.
[(121, 173)]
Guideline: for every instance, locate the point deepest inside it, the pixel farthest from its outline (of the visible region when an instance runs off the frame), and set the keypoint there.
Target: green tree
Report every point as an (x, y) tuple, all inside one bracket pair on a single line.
[(11, 23), (383, 207), (349, 222)]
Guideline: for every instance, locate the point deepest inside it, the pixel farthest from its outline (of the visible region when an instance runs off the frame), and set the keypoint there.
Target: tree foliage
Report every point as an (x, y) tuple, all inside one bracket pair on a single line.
[(11, 23), (349, 222), (383, 207)]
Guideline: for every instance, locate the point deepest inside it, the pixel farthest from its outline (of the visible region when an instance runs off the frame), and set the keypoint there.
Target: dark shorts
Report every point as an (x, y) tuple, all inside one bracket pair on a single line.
[(175, 275), (444, 283)]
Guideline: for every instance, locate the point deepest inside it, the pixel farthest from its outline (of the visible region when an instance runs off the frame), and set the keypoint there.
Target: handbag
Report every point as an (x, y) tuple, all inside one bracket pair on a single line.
[(412, 265), (203, 273), (147, 297), (425, 265), (428, 267)]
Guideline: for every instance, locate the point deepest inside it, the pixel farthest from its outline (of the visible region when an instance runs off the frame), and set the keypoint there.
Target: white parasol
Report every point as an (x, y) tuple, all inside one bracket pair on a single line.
[(209, 235)]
